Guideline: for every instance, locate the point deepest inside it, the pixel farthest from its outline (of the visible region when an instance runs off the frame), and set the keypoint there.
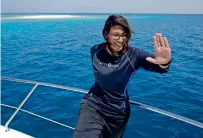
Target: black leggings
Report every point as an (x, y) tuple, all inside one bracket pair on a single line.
[(94, 123)]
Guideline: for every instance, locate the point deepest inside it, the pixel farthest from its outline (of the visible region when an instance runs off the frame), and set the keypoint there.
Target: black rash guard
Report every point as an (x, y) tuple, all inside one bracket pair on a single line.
[(112, 74)]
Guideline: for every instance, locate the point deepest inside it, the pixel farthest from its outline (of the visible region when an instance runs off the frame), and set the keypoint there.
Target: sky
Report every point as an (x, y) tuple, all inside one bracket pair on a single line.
[(102, 6)]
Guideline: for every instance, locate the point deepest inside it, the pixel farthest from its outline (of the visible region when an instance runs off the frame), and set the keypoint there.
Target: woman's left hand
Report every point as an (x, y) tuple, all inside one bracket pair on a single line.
[(162, 50)]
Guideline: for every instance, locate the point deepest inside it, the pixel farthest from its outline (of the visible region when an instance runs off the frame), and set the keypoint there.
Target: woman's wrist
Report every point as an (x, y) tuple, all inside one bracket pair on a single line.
[(167, 63), (164, 66)]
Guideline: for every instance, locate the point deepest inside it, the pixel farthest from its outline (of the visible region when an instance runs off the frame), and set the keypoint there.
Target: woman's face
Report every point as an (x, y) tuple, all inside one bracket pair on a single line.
[(117, 38)]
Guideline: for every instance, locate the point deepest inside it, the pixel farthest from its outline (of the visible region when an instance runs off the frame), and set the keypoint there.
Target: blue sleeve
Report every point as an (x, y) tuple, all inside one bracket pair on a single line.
[(142, 62), (95, 48), (93, 51)]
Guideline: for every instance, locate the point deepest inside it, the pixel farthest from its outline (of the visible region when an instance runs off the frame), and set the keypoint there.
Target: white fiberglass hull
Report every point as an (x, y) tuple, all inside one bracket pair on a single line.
[(12, 133)]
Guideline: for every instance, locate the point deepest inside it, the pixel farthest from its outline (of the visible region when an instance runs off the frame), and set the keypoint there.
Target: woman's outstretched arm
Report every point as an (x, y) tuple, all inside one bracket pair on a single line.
[(160, 62)]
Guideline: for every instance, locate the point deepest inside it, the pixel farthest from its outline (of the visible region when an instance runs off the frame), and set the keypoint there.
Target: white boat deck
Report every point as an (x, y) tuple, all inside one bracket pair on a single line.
[(12, 133)]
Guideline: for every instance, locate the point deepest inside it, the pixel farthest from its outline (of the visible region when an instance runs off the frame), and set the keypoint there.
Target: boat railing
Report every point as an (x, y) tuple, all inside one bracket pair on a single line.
[(36, 84)]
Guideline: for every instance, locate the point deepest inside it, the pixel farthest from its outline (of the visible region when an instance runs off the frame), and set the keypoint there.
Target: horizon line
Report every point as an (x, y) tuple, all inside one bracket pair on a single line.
[(95, 13)]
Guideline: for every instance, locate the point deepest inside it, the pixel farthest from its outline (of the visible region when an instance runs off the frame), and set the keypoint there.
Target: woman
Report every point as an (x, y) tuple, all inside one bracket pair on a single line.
[(105, 110)]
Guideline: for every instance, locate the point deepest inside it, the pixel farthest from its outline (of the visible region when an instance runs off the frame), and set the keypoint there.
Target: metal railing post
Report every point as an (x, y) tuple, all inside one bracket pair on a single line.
[(19, 107)]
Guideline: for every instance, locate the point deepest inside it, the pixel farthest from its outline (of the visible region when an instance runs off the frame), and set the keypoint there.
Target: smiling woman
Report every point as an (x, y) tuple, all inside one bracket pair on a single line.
[(105, 110)]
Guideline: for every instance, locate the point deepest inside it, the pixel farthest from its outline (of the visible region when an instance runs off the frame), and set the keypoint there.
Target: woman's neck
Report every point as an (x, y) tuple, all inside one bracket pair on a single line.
[(110, 51)]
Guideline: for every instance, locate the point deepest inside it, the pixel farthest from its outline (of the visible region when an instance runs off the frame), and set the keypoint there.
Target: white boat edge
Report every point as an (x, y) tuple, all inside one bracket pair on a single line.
[(12, 133)]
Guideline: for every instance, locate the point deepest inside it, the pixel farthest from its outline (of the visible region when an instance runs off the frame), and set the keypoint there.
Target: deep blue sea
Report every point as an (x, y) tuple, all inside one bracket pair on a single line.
[(56, 49)]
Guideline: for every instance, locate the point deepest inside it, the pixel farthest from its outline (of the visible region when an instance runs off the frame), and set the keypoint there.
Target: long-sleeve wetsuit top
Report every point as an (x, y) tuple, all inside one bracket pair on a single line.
[(113, 73)]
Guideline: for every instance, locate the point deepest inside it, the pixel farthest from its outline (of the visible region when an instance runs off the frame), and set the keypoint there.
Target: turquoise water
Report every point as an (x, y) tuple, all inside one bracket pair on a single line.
[(56, 49)]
